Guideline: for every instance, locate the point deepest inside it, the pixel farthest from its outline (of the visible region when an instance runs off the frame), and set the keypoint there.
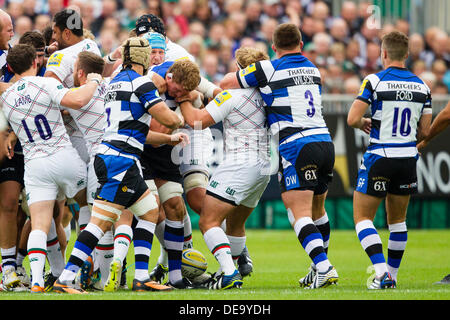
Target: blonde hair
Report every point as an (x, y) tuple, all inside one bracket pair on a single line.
[(247, 55), (186, 73), (87, 34)]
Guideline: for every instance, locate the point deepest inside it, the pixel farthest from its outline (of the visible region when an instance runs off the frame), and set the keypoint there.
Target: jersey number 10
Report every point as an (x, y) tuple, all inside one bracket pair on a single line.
[(41, 125), (404, 127)]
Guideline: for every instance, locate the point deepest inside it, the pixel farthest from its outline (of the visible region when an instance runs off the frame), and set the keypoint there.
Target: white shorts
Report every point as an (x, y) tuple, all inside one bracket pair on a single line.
[(196, 154), (62, 173), (239, 183)]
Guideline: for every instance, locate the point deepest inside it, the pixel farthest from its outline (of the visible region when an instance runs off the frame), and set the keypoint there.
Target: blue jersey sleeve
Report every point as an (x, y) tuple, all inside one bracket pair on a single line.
[(162, 68), (366, 91), (255, 74)]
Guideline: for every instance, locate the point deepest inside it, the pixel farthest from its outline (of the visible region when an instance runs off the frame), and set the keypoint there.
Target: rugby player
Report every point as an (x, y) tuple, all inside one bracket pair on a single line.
[(239, 181), (400, 105), (291, 88), (130, 103), (52, 166)]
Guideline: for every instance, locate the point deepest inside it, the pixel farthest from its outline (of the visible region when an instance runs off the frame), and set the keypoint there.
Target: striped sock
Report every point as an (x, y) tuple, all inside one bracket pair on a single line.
[(311, 240), (173, 242), (371, 243), (21, 254), (237, 244), (396, 247), (122, 239), (8, 258), (37, 251), (82, 249), (54, 255), (218, 244), (143, 239), (323, 224), (187, 231)]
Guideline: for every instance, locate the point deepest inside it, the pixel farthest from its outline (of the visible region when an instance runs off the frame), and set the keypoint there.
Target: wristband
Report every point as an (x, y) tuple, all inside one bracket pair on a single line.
[(96, 80), (110, 60)]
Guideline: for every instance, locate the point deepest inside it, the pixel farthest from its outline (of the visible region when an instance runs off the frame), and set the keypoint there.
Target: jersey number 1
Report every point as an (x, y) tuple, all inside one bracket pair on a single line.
[(44, 132)]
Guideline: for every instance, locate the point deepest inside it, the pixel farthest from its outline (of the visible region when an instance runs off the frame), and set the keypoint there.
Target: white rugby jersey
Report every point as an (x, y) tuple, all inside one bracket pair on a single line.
[(397, 99), (291, 88), (176, 52), (31, 106), (128, 98), (244, 123), (61, 62), (91, 119)]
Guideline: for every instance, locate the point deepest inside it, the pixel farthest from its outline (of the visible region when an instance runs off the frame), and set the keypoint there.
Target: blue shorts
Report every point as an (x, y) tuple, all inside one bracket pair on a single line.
[(306, 164), (120, 180), (378, 176)]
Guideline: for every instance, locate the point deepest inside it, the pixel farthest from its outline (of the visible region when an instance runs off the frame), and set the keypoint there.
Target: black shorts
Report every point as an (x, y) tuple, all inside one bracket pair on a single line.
[(120, 180), (306, 164), (157, 163), (378, 176), (13, 170)]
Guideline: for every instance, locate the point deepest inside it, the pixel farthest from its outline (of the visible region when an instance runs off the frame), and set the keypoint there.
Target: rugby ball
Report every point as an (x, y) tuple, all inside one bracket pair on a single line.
[(193, 263)]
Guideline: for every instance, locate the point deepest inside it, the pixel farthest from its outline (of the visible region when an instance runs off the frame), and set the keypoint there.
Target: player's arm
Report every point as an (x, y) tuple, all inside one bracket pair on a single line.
[(11, 141), (423, 128), (192, 114), (355, 117), (168, 118), (208, 89), (76, 99), (159, 138), (51, 74), (158, 81), (112, 62)]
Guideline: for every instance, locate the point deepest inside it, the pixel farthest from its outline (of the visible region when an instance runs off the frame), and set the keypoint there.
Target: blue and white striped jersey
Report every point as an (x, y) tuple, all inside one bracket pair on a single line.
[(127, 101), (291, 88), (397, 99)]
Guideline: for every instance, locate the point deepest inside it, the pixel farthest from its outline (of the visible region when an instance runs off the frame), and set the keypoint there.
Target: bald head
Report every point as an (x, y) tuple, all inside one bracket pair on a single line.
[(6, 30)]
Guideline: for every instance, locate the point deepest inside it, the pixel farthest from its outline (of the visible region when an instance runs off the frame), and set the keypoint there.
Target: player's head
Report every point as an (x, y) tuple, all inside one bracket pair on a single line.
[(35, 39), (6, 30), (136, 51), (287, 37), (67, 28), (182, 77), (87, 62), (158, 43), (247, 55), (394, 47), (149, 22), (21, 58)]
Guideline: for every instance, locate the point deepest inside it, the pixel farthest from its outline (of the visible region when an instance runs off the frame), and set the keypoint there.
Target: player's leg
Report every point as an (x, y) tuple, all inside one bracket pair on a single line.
[(146, 209), (9, 203), (41, 216), (213, 213), (235, 225), (373, 183), (396, 208), (174, 208)]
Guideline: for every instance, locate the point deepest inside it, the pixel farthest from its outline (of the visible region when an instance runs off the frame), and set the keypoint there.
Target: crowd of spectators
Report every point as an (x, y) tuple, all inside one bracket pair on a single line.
[(344, 47)]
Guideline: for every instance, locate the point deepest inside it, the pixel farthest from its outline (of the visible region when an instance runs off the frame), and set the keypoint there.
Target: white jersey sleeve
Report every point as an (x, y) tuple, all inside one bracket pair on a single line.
[(220, 106), (56, 90)]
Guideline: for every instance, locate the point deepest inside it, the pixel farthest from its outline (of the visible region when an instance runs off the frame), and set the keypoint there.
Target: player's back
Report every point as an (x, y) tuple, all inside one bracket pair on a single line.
[(32, 108), (291, 87), (127, 101), (398, 98)]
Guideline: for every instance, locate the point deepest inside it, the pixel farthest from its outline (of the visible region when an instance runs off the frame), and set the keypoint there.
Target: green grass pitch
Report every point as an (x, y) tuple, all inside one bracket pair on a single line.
[(279, 261)]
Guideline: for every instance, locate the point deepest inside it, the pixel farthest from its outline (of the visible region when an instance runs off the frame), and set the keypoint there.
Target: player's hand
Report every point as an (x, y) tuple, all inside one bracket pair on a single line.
[(191, 96), (11, 141), (116, 54), (179, 137), (52, 47), (94, 77), (366, 125), (421, 145)]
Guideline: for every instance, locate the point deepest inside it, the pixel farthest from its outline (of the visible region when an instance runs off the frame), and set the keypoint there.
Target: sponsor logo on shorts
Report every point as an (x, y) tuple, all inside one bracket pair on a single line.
[(230, 191), (409, 186), (126, 189), (80, 182), (214, 184)]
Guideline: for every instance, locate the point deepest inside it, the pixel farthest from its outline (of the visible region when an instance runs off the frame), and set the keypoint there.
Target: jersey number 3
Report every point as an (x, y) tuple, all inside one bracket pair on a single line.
[(41, 125), (311, 111)]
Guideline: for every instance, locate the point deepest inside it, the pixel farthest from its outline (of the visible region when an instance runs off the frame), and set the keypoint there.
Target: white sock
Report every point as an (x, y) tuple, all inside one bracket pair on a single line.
[(83, 217), (159, 233), (54, 255), (103, 255), (218, 244), (122, 239), (68, 232), (187, 231), (237, 245), (37, 250)]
